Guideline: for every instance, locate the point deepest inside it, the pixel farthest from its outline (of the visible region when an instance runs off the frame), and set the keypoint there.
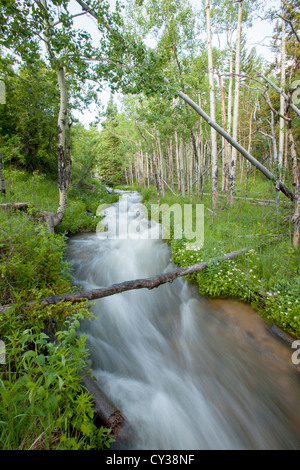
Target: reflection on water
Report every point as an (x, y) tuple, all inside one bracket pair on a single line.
[(173, 362)]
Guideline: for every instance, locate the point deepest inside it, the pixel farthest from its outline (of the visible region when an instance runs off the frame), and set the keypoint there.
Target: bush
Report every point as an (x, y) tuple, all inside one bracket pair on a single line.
[(43, 403)]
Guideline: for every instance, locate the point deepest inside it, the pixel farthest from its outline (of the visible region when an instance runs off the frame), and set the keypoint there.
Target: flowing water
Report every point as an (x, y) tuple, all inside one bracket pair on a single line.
[(187, 372)]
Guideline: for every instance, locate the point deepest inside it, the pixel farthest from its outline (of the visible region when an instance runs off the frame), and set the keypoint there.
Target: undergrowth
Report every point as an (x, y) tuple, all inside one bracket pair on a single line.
[(268, 276), (43, 403)]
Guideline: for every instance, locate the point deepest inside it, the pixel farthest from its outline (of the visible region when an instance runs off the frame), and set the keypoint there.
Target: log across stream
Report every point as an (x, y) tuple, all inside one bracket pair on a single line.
[(187, 372)]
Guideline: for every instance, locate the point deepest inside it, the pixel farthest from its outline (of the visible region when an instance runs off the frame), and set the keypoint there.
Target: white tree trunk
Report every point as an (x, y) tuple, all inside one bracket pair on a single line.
[(63, 141), (63, 148), (282, 85), (224, 141), (2, 184), (181, 163), (232, 169), (214, 149)]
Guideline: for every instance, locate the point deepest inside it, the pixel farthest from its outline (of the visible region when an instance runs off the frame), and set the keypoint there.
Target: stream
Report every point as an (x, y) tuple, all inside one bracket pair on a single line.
[(187, 372)]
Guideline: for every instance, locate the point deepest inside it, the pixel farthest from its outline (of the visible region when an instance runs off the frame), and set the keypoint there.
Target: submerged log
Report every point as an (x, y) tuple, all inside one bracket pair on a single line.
[(106, 413), (146, 283)]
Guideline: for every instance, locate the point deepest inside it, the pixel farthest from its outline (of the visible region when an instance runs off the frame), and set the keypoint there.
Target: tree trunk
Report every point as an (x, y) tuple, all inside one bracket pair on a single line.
[(146, 283), (161, 166), (214, 150), (282, 85), (232, 169), (275, 153), (181, 163), (152, 161), (229, 105), (2, 184), (296, 185), (63, 141), (177, 161), (64, 149), (224, 141), (284, 189)]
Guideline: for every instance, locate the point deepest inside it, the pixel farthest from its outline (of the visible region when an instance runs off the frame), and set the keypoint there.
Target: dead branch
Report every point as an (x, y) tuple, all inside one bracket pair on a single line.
[(284, 189), (146, 283), (14, 205), (279, 90)]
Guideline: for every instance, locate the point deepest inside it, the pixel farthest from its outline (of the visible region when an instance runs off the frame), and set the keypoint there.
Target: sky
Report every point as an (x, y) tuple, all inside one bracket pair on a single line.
[(259, 36)]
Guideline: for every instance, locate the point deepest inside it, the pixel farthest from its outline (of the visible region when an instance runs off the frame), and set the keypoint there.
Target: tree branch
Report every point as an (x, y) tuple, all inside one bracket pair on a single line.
[(279, 90), (146, 283), (91, 11), (284, 189), (291, 25), (73, 16)]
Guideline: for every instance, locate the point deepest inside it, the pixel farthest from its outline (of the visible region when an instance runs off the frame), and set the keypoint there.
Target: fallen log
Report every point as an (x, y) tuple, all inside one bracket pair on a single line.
[(252, 199), (106, 413), (15, 205), (146, 283), (279, 184), (46, 217)]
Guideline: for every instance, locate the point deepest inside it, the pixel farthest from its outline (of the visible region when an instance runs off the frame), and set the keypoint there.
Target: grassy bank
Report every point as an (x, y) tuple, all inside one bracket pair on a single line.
[(42, 402), (268, 276)]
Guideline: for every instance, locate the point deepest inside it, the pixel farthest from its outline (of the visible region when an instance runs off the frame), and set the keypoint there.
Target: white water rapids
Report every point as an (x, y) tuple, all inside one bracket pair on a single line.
[(169, 363)]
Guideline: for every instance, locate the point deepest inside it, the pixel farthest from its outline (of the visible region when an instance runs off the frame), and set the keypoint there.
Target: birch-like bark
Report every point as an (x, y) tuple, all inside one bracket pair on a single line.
[(177, 161), (214, 149), (2, 184), (63, 149), (296, 181), (229, 104), (161, 159), (224, 141), (282, 85), (284, 189), (296, 185), (275, 152), (171, 166), (232, 169), (152, 162), (181, 163), (63, 141)]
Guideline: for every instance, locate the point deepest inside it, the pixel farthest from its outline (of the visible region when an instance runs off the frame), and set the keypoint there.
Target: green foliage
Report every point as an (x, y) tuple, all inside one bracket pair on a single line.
[(267, 276), (116, 145), (85, 152), (42, 194), (28, 121), (31, 260), (43, 403)]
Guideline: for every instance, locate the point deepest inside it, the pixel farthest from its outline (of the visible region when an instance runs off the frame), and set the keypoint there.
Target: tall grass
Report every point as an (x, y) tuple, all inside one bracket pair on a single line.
[(42, 402), (268, 277)]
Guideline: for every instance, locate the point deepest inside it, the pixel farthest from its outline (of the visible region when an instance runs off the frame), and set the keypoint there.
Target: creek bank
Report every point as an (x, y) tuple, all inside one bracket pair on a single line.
[(168, 361), (276, 298)]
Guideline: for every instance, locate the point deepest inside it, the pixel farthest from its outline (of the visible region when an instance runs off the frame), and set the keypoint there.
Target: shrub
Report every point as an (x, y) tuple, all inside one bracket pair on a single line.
[(43, 402)]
